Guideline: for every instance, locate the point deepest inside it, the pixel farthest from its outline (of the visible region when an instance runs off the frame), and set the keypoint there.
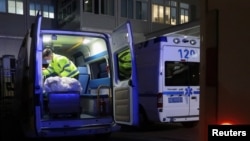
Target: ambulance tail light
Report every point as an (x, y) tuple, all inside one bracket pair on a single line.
[(159, 100)]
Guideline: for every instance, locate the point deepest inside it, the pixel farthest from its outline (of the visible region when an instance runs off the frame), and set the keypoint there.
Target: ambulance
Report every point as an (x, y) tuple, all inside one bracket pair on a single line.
[(168, 79), (106, 101)]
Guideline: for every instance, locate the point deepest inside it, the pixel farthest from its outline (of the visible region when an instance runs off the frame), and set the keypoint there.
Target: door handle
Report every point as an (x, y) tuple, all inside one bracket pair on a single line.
[(193, 97), (130, 83)]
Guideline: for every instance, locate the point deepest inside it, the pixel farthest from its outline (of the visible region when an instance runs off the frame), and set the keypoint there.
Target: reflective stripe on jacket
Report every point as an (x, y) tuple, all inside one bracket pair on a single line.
[(62, 66)]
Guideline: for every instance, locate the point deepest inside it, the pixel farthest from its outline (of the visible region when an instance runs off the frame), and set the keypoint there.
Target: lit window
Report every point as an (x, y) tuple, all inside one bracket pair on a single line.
[(19, 7), (154, 12), (45, 11), (51, 12), (34, 8), (173, 16), (11, 6), (184, 8), (165, 11), (158, 13), (48, 11), (15, 7), (173, 12), (167, 15)]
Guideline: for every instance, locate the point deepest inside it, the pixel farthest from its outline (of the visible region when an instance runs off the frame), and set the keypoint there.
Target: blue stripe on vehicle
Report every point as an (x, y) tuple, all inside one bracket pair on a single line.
[(178, 92), (196, 92), (173, 92)]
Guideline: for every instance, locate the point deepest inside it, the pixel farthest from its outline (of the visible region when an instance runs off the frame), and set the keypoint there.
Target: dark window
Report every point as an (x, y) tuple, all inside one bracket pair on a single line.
[(87, 6), (181, 73), (141, 10), (127, 8), (98, 69), (96, 6), (107, 7)]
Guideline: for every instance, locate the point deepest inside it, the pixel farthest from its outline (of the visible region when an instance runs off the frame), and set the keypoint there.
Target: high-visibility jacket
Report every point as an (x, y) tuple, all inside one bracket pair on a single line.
[(61, 66)]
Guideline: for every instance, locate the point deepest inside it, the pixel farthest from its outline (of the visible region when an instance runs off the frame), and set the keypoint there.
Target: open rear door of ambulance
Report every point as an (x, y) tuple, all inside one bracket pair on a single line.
[(125, 94)]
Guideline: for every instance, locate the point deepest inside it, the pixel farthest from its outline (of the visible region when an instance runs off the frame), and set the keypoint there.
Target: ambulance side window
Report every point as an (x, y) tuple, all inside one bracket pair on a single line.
[(98, 69), (124, 64), (79, 59)]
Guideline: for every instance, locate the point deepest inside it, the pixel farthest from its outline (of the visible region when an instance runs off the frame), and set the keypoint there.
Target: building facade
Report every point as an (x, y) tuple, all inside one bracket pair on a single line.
[(16, 18), (146, 16)]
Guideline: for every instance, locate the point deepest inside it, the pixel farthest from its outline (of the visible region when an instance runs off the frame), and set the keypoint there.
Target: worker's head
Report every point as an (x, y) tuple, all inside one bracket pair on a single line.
[(47, 54)]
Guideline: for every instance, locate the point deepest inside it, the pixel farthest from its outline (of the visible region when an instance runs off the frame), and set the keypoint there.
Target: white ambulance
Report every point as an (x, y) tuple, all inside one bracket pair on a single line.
[(168, 79)]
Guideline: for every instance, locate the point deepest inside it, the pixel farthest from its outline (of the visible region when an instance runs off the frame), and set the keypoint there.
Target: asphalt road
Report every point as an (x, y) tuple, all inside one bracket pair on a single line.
[(159, 132), (156, 132)]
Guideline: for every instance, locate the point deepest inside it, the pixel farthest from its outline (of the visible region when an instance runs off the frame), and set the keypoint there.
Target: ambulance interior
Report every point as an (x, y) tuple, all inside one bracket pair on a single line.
[(91, 58)]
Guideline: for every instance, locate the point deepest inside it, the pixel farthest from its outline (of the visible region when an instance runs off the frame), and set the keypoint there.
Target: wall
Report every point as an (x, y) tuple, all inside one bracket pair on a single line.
[(224, 63), (13, 29)]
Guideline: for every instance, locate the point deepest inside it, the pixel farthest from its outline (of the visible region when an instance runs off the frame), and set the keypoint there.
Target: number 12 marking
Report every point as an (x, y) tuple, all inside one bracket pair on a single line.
[(185, 53)]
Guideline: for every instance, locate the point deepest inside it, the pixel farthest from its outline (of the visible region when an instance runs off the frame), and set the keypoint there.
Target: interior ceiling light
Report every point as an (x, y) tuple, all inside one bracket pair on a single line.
[(85, 41)]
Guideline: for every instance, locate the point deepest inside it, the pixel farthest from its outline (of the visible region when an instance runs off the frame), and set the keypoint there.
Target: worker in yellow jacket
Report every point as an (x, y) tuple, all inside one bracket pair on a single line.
[(59, 65)]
